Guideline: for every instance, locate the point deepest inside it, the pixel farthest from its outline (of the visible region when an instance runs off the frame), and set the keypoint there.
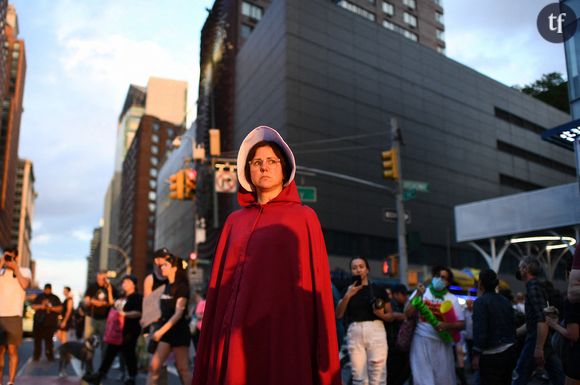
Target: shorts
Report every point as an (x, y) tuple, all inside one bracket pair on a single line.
[(178, 335), (572, 369), (12, 326)]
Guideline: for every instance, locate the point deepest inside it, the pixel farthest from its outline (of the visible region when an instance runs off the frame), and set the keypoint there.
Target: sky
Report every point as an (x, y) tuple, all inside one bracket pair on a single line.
[(83, 55)]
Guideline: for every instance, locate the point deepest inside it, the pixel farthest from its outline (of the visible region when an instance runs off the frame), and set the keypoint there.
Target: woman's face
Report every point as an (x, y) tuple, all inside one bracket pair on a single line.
[(266, 170), (167, 269), (128, 286), (359, 268)]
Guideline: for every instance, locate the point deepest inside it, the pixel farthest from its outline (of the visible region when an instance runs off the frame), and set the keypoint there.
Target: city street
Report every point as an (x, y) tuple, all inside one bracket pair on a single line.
[(46, 373)]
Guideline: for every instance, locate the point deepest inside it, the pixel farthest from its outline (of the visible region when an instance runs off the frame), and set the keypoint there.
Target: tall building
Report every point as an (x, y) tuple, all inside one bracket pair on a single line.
[(94, 257), (165, 99), (139, 190), (12, 90), (25, 195), (418, 20), (330, 84)]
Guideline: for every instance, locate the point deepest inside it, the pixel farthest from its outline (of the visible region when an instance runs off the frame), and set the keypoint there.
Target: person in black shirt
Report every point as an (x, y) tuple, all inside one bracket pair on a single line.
[(47, 307), (494, 336), (364, 304), (173, 335), (66, 316), (535, 352), (99, 298), (129, 306), (398, 364)]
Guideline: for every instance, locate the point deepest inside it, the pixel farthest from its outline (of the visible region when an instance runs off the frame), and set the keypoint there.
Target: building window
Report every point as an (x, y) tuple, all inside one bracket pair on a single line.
[(441, 50), (153, 172), (517, 183), (373, 2), (151, 207), (410, 35), (154, 150), (388, 8), (155, 138), (252, 11), (246, 30), (440, 34), (356, 9), (152, 196), (410, 19), (152, 184), (155, 127), (388, 25), (438, 2), (439, 17), (410, 3), (154, 161)]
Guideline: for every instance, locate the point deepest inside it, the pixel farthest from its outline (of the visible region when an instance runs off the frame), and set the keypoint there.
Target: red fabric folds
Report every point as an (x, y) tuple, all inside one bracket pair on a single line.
[(269, 316)]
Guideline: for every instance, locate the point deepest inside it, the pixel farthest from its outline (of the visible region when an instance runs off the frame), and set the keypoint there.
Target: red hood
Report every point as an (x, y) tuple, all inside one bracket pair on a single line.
[(288, 194)]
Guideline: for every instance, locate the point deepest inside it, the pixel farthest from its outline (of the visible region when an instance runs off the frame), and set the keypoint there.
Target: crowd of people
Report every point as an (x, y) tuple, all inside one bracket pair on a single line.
[(272, 315)]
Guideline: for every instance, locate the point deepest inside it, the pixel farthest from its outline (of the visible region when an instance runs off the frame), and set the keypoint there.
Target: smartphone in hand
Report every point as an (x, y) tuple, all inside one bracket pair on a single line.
[(357, 280)]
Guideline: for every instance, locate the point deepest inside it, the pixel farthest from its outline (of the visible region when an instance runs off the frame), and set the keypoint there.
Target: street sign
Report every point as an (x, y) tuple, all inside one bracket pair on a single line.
[(390, 215), (417, 186), (307, 193), (226, 181), (409, 194)]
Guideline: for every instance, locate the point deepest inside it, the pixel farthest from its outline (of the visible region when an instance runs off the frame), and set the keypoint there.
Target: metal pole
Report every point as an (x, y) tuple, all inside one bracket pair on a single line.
[(215, 197), (401, 229)]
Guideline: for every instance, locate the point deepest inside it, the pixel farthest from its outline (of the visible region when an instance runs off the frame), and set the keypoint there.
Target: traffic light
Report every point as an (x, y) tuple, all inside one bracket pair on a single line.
[(394, 266), (190, 183), (193, 260), (385, 267), (390, 164), (177, 185)]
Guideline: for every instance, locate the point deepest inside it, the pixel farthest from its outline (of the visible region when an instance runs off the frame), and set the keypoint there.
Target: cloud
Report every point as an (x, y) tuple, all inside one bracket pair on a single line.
[(62, 273), (82, 234), (41, 239)]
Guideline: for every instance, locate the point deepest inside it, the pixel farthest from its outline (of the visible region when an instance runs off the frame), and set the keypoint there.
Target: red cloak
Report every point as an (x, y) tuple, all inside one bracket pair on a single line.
[(269, 316)]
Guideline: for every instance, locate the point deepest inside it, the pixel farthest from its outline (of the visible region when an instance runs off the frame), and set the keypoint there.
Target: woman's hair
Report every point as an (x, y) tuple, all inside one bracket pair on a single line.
[(532, 264), (438, 269), (488, 280), (363, 259), (286, 166)]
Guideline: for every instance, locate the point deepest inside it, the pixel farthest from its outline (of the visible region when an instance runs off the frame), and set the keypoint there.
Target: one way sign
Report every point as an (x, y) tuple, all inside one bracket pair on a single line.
[(390, 215)]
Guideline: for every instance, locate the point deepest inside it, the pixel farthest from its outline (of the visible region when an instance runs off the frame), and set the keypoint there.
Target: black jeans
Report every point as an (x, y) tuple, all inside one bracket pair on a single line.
[(127, 349), (398, 367), (43, 333), (496, 369)]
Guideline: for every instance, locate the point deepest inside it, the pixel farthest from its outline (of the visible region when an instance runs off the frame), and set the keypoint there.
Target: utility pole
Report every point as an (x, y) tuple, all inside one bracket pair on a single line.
[(401, 228)]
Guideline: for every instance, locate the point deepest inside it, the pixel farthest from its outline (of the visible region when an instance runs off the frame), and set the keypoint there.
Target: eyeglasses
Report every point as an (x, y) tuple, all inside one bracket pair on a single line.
[(259, 163)]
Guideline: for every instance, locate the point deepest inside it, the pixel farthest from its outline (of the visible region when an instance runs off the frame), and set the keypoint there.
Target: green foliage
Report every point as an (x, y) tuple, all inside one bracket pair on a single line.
[(551, 88)]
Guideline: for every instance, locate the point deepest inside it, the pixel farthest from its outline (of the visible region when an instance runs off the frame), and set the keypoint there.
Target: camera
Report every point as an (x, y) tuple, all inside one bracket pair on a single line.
[(7, 257), (377, 303)]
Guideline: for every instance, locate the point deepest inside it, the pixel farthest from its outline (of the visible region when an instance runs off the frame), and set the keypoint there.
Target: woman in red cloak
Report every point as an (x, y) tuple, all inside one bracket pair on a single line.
[(269, 316)]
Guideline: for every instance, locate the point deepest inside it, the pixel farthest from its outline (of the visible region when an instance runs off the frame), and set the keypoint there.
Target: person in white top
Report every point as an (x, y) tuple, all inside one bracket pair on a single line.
[(431, 355), (13, 282)]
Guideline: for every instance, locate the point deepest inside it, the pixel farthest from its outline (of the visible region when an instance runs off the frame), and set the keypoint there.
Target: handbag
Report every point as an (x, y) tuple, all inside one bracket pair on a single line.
[(405, 334), (114, 328)]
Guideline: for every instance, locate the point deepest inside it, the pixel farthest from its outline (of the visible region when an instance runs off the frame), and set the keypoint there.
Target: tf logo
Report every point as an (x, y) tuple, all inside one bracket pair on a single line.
[(557, 22)]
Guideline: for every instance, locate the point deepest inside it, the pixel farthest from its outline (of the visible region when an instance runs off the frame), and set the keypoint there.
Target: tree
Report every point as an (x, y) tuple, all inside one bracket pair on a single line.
[(552, 89)]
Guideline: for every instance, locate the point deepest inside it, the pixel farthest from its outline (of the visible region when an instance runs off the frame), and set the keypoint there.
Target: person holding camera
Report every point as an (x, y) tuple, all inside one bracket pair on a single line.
[(99, 298), (47, 308), (364, 305), (13, 282), (432, 360)]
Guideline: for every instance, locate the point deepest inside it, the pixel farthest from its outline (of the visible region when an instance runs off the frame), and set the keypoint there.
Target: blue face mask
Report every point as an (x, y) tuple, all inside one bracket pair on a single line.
[(438, 283)]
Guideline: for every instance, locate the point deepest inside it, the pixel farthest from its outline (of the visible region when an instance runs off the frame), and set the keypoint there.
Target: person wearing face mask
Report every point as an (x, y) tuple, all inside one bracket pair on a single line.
[(432, 359), (536, 353)]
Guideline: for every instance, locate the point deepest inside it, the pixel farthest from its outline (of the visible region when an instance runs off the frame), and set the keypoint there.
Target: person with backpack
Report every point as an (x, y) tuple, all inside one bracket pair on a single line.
[(536, 353)]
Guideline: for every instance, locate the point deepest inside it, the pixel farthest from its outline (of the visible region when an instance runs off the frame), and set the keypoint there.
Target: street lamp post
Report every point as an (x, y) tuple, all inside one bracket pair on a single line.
[(125, 256)]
